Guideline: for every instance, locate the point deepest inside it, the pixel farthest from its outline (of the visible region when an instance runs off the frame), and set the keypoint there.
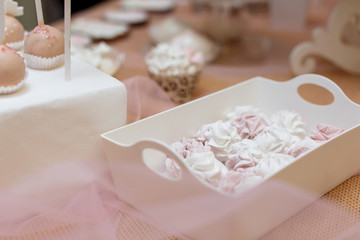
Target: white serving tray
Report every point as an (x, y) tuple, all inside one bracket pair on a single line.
[(136, 168)]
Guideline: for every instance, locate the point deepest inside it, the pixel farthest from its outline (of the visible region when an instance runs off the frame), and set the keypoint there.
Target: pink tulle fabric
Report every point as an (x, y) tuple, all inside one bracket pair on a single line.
[(145, 98), (78, 201)]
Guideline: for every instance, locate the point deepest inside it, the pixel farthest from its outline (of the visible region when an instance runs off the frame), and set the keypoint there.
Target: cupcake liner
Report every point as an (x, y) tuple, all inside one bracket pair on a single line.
[(179, 87), (12, 89), (16, 45), (41, 63)]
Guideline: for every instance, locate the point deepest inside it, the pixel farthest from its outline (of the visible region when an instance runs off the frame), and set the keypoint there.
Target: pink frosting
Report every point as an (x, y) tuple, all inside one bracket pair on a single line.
[(189, 145), (249, 125), (324, 132)]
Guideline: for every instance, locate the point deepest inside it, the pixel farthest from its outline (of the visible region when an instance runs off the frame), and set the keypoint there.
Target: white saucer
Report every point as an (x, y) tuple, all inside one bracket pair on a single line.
[(98, 29), (126, 16), (149, 5)]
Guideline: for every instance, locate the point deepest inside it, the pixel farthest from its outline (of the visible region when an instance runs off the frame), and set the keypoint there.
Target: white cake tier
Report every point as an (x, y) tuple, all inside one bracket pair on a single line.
[(51, 120)]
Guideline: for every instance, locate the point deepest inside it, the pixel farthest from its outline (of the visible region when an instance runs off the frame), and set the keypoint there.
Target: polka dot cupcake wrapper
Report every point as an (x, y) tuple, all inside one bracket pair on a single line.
[(12, 89), (41, 63), (179, 88)]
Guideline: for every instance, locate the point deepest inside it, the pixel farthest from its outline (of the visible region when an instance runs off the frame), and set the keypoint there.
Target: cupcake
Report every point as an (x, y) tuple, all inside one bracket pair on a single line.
[(12, 70), (44, 48), (175, 69)]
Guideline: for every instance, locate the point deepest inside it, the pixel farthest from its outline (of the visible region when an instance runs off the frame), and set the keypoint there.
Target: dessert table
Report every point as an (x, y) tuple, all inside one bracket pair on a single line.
[(235, 65)]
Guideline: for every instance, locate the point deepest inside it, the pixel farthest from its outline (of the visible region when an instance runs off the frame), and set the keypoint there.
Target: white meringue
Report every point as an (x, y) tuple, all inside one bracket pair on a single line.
[(275, 139), (271, 163), (291, 121), (173, 60), (219, 136), (101, 56), (206, 166)]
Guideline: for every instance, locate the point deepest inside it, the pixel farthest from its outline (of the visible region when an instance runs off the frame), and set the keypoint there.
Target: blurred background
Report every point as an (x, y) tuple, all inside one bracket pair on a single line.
[(53, 10)]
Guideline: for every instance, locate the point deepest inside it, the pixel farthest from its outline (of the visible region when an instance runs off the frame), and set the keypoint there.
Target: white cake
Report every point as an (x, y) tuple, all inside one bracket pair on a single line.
[(51, 120)]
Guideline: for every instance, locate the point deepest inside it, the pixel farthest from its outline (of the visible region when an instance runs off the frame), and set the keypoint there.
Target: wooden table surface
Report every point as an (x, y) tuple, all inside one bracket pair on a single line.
[(233, 66)]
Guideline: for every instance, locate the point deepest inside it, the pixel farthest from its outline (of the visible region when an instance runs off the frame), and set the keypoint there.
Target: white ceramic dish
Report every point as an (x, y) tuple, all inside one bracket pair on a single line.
[(136, 155), (126, 16), (98, 29)]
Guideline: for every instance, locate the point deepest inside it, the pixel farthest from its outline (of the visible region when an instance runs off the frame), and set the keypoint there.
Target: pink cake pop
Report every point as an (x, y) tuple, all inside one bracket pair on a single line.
[(44, 46), (14, 35), (12, 70)]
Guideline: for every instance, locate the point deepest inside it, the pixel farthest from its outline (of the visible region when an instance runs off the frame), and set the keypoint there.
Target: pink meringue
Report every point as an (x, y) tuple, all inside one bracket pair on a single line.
[(173, 169), (249, 125), (298, 150), (243, 154), (304, 146), (186, 146), (324, 132), (237, 181)]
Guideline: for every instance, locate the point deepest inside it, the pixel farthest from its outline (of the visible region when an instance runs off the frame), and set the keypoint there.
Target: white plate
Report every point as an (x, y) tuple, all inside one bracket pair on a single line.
[(150, 5), (99, 29), (126, 16)]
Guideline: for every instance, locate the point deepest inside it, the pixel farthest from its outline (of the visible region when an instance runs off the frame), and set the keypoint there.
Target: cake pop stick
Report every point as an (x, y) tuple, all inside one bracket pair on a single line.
[(67, 36), (39, 12), (2, 21)]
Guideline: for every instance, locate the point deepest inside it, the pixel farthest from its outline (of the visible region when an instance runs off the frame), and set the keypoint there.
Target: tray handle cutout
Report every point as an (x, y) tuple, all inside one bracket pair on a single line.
[(338, 97), (315, 94), (154, 153)]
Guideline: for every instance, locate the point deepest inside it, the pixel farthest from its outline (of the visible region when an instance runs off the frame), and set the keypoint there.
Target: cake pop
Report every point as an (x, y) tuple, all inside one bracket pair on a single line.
[(14, 34), (44, 47), (12, 70), (12, 66)]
